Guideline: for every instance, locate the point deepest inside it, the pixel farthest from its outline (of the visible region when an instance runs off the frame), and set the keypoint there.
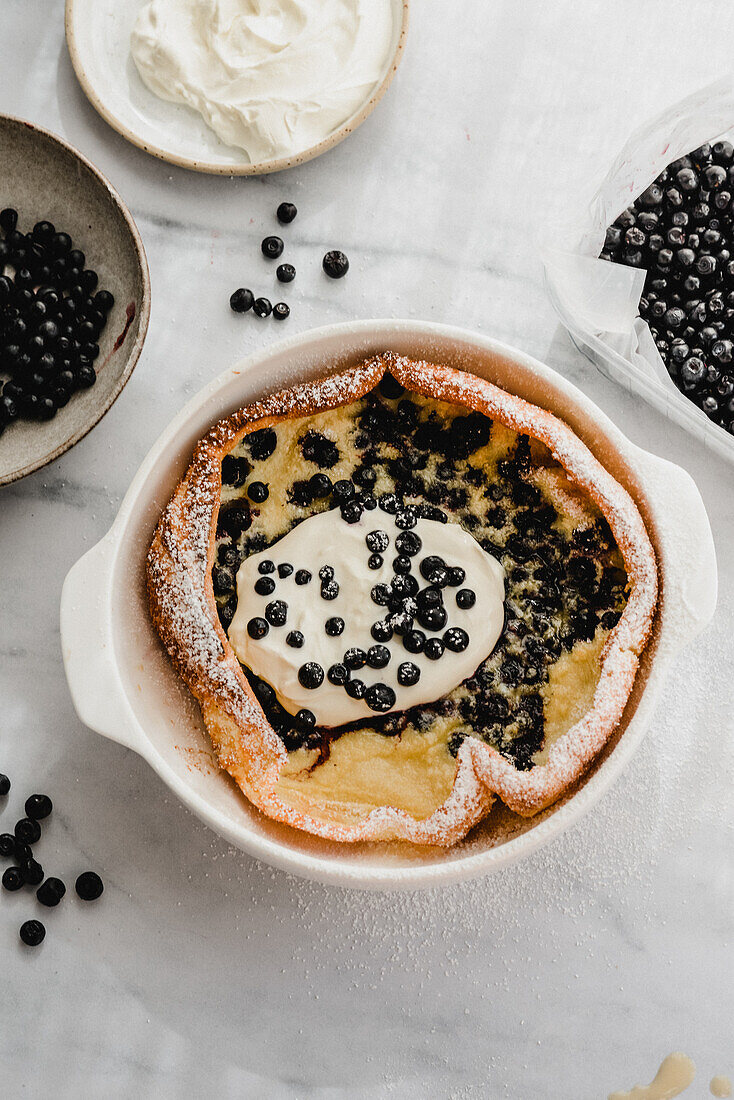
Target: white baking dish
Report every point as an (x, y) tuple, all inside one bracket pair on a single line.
[(124, 687)]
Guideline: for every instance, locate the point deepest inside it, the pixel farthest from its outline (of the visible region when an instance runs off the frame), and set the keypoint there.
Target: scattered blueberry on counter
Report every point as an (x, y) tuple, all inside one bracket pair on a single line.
[(334, 263), (32, 933), (286, 213), (681, 230), (241, 300), (89, 886), (285, 273), (51, 318), (262, 307), (272, 247), (27, 871)]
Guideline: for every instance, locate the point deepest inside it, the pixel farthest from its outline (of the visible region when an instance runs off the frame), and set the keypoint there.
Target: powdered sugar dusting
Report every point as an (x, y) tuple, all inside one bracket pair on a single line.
[(182, 605)]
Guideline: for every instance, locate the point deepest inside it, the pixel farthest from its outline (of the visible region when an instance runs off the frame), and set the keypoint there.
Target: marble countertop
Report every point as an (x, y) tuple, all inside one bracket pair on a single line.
[(201, 972)]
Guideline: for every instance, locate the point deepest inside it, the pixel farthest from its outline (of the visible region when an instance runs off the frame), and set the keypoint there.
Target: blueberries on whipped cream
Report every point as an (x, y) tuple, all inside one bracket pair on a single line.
[(367, 614)]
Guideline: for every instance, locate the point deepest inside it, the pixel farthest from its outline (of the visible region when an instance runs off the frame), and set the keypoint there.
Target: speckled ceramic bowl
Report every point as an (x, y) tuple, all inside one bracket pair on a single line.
[(124, 686), (43, 177), (98, 37)]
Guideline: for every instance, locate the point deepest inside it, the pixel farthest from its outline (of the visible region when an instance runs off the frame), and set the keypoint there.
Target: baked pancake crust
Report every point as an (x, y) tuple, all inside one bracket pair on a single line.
[(437, 777)]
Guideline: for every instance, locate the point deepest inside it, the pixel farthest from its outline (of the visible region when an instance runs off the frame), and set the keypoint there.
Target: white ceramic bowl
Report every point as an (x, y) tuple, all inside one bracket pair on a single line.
[(124, 687), (98, 36)]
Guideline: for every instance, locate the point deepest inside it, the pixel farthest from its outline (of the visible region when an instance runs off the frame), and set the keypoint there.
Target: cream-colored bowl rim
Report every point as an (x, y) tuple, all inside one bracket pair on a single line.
[(260, 168), (100, 691)]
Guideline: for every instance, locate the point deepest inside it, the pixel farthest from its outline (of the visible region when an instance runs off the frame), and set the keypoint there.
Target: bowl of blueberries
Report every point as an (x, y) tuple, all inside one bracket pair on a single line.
[(646, 288), (74, 297)]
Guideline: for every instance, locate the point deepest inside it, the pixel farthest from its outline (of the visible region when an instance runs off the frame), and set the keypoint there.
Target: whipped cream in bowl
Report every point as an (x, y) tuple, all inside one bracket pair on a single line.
[(351, 621), (274, 79)]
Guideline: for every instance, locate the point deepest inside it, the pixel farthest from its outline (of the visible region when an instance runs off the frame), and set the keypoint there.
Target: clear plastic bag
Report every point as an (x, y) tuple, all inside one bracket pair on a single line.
[(597, 301)]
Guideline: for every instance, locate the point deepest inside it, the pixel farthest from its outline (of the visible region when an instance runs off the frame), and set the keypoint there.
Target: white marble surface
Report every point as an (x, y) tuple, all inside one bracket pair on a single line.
[(201, 973)]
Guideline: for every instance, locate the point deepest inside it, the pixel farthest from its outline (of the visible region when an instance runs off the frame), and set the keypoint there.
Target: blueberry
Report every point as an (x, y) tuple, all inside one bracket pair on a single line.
[(222, 580), (286, 273), (258, 627), (284, 570), (381, 594), (351, 512), (430, 564), (7, 844), (320, 486), (104, 300), (51, 892), (258, 492), (465, 598), (302, 576), (355, 689), (305, 719), (375, 561), (12, 878), (22, 851), (377, 541), (432, 618), (380, 697), (338, 674), (390, 387), (27, 830), (295, 639), (335, 264), (402, 585), (89, 886), (381, 631), (264, 586), (262, 443), (266, 566), (32, 933), (311, 675), (276, 612), (272, 247), (242, 300), (456, 639), (32, 872), (334, 626), (329, 590), (318, 448), (262, 307), (60, 244), (408, 674), (38, 806), (406, 518), (9, 219), (378, 656), (286, 212), (456, 576), (408, 543), (433, 649), (355, 658), (343, 490), (281, 310), (4, 784), (414, 641)]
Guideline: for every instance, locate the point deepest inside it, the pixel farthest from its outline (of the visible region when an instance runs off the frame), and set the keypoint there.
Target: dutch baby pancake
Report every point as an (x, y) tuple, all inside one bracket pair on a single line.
[(397, 594)]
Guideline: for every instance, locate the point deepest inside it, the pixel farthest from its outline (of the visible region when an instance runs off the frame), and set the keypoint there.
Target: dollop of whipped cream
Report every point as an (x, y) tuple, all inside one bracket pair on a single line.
[(272, 77), (307, 609)]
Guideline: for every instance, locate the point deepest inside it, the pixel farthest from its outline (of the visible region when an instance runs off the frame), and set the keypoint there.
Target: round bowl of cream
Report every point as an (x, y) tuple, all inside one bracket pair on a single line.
[(235, 87)]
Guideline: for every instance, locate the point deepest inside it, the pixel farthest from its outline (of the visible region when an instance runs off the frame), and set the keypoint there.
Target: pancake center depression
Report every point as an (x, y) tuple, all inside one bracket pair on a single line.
[(350, 620)]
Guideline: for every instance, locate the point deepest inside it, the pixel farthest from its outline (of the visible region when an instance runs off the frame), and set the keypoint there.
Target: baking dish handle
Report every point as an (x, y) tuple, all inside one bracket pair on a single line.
[(690, 580), (87, 646)]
